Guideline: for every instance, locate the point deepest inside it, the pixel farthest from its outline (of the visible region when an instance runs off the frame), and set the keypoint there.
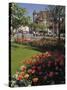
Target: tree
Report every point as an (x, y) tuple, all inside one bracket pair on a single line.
[(18, 16), (60, 13), (57, 13)]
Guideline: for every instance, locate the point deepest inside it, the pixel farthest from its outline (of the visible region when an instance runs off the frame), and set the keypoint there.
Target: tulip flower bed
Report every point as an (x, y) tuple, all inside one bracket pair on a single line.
[(22, 40), (43, 69)]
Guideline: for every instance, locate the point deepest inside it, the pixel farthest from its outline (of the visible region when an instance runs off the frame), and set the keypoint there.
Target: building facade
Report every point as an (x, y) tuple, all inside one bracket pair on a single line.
[(45, 18)]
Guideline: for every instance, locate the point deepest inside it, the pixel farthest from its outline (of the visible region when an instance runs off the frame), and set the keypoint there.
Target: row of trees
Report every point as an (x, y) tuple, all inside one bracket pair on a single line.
[(58, 14)]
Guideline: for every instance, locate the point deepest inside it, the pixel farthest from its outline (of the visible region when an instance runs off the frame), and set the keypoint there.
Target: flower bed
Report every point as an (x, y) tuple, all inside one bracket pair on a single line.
[(22, 40), (42, 69), (46, 44)]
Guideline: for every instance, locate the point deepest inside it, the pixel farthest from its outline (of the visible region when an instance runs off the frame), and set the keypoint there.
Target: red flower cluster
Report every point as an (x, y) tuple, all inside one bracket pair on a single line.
[(38, 59), (23, 40), (43, 68)]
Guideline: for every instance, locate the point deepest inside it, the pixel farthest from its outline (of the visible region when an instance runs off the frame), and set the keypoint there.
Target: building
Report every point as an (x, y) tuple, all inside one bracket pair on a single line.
[(45, 18), (23, 29)]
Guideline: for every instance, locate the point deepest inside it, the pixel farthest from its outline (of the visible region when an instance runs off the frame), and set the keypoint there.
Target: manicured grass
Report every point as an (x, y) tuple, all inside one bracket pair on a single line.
[(20, 53)]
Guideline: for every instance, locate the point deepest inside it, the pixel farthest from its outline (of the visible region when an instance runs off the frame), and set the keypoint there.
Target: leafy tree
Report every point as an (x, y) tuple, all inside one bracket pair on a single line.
[(18, 16), (57, 13)]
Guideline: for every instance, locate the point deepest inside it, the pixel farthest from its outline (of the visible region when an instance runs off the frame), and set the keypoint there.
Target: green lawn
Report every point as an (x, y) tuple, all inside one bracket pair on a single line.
[(20, 53)]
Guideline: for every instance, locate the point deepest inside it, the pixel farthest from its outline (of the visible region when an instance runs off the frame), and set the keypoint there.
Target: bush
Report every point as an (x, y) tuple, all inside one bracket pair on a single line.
[(49, 44)]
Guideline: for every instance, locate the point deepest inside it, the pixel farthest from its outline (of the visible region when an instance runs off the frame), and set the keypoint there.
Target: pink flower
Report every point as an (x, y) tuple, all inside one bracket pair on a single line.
[(35, 80), (30, 71), (33, 71), (23, 68), (26, 76)]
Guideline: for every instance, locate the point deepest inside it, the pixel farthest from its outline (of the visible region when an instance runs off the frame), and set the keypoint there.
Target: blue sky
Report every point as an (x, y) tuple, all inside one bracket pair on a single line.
[(31, 7)]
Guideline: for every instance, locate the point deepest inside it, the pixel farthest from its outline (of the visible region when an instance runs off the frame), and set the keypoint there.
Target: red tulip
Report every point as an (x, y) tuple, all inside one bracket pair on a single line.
[(33, 67), (30, 71), (19, 77)]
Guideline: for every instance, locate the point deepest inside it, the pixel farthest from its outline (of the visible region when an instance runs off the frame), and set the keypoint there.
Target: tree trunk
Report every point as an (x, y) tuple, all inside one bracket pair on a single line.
[(59, 28)]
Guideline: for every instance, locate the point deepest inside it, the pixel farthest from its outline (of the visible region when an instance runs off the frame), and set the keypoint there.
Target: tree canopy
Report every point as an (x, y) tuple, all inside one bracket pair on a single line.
[(18, 16), (58, 14)]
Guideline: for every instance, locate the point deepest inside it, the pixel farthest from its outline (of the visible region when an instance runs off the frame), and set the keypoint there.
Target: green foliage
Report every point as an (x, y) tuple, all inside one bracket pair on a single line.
[(58, 15), (18, 16), (38, 26)]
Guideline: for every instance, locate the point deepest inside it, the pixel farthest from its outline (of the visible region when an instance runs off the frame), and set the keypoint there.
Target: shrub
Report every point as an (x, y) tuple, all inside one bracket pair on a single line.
[(49, 44)]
